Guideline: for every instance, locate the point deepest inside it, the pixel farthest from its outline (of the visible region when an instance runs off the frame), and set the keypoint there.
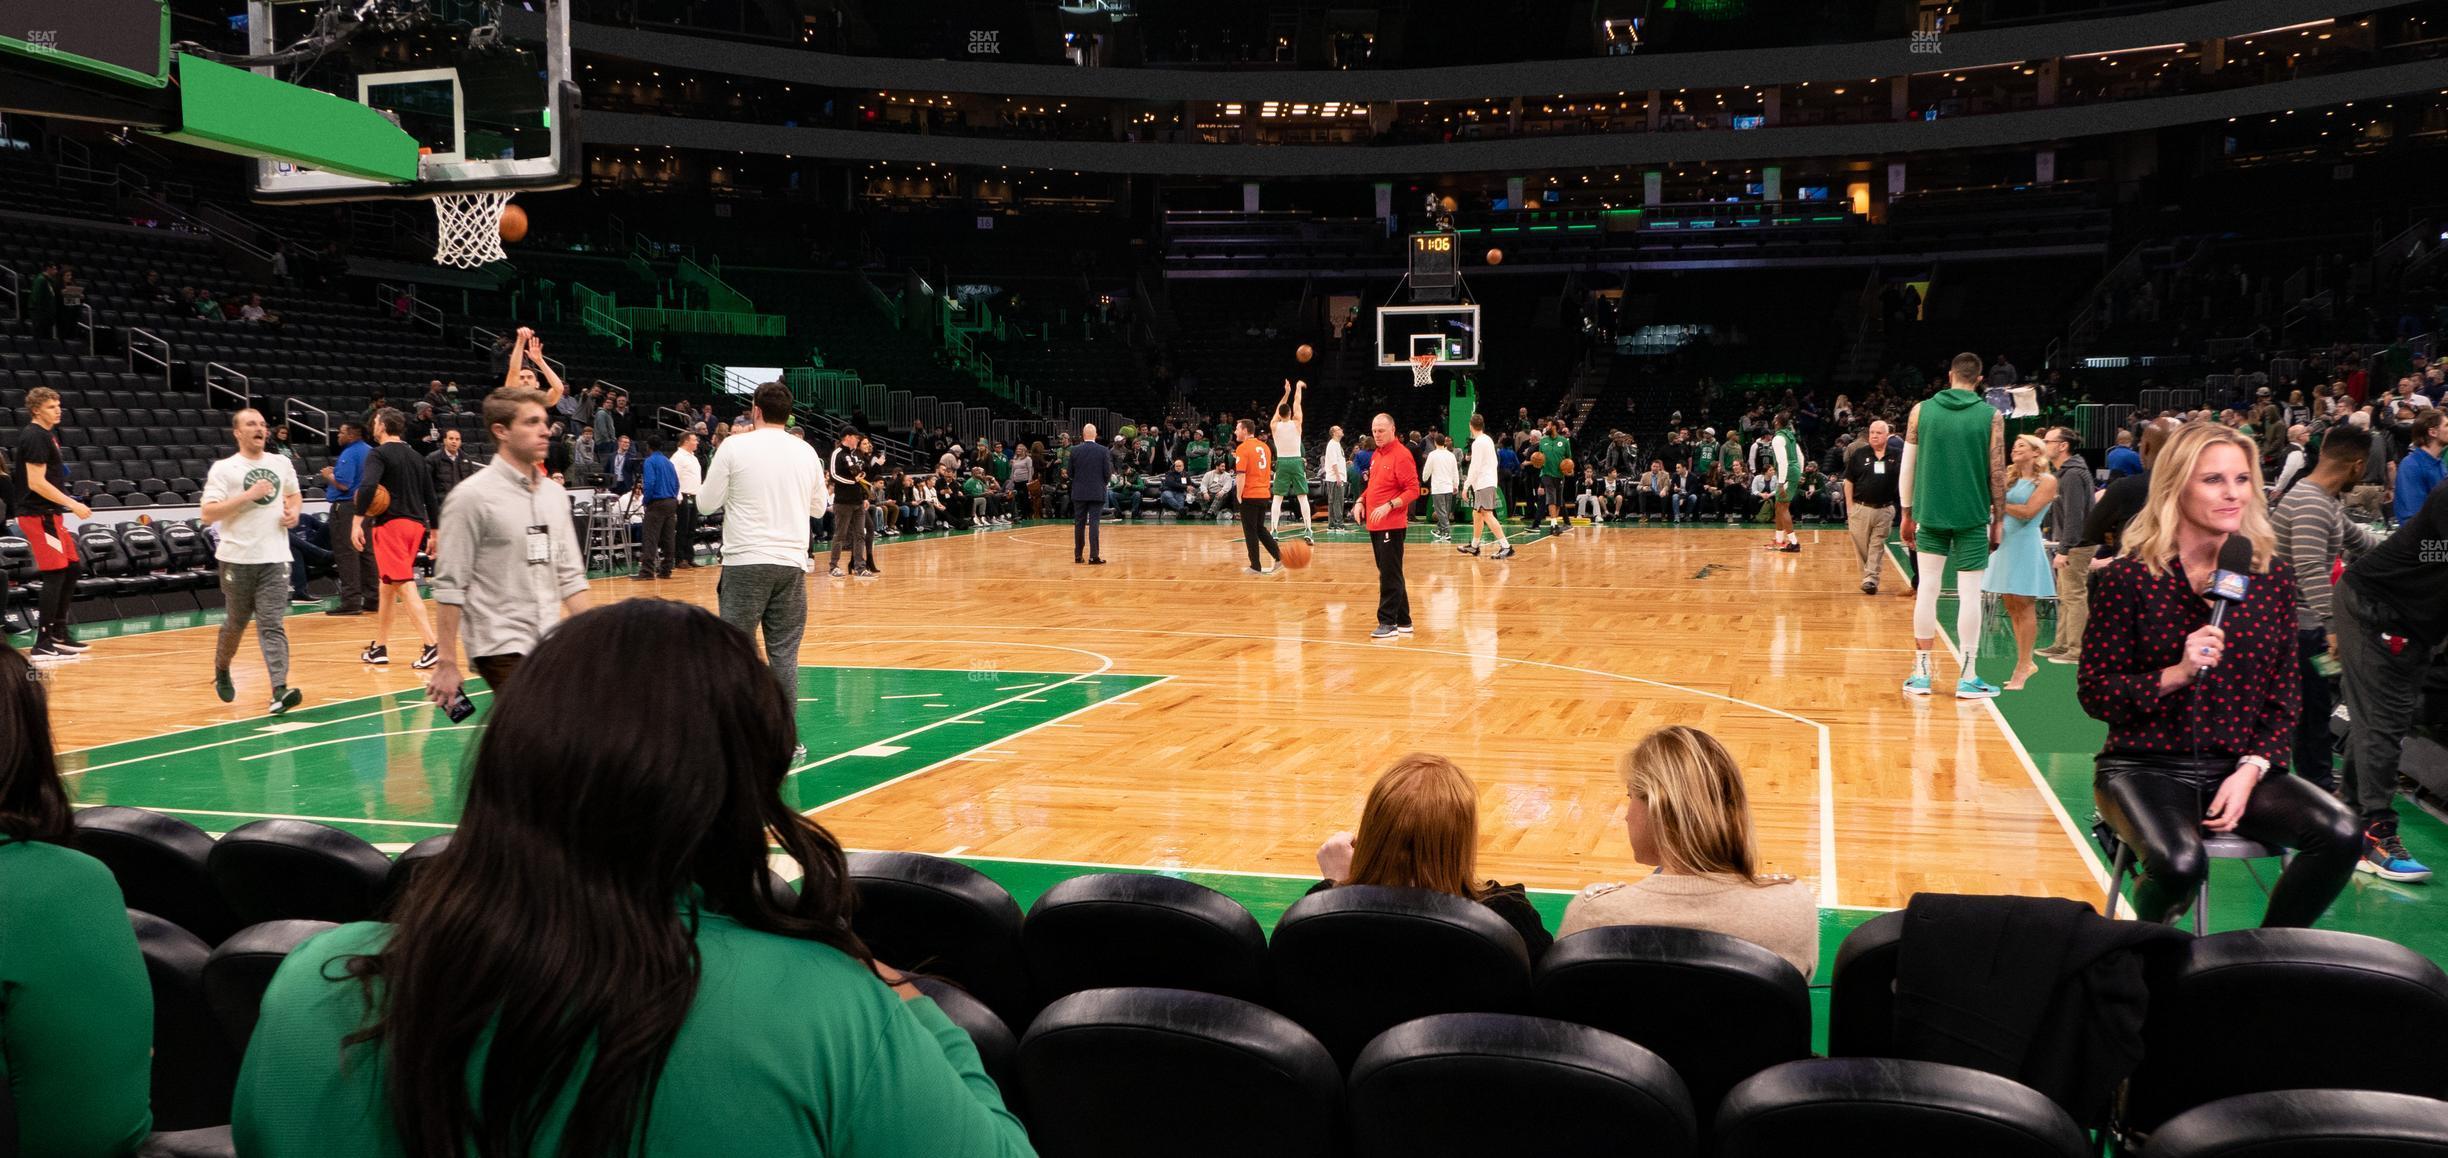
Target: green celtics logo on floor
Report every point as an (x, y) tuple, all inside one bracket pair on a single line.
[(263, 474)]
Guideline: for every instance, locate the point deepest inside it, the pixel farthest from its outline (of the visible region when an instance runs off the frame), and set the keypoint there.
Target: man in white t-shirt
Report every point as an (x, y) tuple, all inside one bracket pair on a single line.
[(1291, 470), (764, 482), (1480, 485), (1335, 467), (1440, 473), (692, 477), (253, 498)]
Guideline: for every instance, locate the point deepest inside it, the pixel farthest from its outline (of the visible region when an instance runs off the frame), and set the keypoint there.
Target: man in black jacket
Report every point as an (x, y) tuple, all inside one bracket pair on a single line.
[(449, 467), (1091, 473)]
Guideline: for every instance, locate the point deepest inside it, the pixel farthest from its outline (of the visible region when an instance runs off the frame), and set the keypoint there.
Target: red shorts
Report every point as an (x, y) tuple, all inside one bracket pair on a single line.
[(395, 550), (54, 548)]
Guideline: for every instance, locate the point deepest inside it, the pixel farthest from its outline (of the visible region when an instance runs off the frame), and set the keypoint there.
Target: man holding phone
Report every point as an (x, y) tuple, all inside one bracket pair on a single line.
[(510, 565)]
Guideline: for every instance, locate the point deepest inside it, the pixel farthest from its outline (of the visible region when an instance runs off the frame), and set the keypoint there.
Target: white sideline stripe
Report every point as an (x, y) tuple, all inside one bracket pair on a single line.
[(410, 704)]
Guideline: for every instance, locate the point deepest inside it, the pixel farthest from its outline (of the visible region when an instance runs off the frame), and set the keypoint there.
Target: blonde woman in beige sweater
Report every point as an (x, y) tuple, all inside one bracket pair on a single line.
[(1689, 816)]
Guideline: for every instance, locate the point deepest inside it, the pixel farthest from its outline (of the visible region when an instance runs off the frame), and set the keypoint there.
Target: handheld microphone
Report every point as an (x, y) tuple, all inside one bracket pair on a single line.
[(2233, 577)]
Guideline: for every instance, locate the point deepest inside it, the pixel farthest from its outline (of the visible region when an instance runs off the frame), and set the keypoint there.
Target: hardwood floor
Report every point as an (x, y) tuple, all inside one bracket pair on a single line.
[(1275, 711)]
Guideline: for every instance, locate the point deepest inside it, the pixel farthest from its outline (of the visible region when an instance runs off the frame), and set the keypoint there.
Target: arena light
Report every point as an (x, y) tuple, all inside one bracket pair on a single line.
[(2295, 27)]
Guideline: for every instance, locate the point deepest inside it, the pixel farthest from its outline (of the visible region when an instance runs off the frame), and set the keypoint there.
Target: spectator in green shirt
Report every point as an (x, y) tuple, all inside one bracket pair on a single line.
[(1557, 447), (76, 1012), (598, 958), (1195, 455)]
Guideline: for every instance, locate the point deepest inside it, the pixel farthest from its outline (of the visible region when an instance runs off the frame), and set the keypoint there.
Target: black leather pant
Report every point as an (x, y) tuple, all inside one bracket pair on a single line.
[(2156, 804)]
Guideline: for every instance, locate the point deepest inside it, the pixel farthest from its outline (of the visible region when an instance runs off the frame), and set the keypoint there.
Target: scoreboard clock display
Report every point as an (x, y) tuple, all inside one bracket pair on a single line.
[(1435, 260)]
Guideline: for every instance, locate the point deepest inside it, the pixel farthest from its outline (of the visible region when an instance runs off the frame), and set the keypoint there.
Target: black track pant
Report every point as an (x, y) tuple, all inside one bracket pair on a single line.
[(1254, 533)]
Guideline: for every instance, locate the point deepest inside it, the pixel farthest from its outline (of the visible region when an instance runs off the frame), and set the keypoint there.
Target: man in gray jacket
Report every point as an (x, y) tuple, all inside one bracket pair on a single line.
[(2075, 492)]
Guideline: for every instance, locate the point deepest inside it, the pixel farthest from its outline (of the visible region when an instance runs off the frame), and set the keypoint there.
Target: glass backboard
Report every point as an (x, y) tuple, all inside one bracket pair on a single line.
[(1451, 332), (483, 86)]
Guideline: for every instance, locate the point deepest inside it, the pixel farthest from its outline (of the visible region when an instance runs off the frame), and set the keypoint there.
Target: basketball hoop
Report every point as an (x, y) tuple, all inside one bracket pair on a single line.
[(1423, 369), (467, 227)]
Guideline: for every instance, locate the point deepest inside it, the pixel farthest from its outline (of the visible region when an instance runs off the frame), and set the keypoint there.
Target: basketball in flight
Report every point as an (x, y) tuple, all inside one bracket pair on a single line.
[(513, 223)]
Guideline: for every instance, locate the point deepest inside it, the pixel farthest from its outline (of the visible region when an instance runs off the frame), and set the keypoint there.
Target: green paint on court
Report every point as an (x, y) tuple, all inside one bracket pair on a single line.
[(2062, 739), (390, 768)]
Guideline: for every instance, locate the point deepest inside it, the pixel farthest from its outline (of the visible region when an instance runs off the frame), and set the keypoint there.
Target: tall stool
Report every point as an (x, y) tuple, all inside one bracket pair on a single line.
[(2215, 846)]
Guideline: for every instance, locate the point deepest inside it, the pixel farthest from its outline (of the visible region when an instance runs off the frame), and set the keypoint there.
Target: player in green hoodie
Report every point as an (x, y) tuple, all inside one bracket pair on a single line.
[(1953, 489)]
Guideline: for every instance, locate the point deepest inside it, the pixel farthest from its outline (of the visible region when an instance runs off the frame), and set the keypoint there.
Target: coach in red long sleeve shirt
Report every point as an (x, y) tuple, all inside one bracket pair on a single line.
[(1393, 483)]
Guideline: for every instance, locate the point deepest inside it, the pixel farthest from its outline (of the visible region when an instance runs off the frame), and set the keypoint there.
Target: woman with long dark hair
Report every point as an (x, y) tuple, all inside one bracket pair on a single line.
[(76, 1022), (2201, 717), (595, 966)]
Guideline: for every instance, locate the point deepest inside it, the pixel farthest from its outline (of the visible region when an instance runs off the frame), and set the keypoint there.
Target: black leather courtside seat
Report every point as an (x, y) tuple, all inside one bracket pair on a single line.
[(2235, 1015), (998, 1050), (1718, 1009), (411, 861), (2288, 1123), (281, 870), (1892, 1108), (194, 1067), (1115, 930), (1354, 961), (1471, 1085), (241, 968), (1861, 1001), (930, 915), (159, 863), (1127, 1073)]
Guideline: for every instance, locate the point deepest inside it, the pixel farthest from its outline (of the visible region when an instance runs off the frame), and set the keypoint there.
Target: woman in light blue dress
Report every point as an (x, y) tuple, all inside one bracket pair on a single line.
[(2019, 571)]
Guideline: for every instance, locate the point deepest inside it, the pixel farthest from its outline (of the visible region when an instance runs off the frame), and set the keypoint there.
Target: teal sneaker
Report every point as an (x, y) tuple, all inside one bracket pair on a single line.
[(1918, 685), (1975, 688), (222, 686)]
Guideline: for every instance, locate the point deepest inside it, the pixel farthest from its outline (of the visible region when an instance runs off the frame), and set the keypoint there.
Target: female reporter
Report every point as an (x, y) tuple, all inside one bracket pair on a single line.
[(2198, 714), (595, 967)]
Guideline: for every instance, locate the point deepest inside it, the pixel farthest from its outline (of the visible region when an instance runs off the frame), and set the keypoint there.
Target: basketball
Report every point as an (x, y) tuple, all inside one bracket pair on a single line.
[(1538, 458), (375, 504), (1568, 467), (1495, 257), (1304, 353), (1296, 554), (513, 223), (1447, 204)]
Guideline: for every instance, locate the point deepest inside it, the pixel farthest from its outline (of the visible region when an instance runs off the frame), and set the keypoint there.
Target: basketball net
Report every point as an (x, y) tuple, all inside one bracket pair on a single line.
[(467, 229), (1423, 369)]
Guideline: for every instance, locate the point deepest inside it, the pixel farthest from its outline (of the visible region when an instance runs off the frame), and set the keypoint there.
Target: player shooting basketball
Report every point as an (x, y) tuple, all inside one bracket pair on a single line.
[(1291, 471)]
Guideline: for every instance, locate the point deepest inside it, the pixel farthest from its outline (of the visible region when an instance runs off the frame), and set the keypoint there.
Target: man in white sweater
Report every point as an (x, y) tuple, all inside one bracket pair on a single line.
[(692, 479), (1335, 469), (1440, 473), (764, 482), (1481, 486)]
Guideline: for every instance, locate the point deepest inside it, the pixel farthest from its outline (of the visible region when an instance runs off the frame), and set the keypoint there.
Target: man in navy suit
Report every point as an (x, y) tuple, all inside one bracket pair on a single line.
[(1091, 473)]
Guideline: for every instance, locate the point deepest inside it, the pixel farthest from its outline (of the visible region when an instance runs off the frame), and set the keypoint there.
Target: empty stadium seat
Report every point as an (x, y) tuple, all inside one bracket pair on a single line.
[(1861, 999), (159, 862), (1893, 1108), (1111, 930), (278, 870), (194, 1067), (412, 860), (1122, 1073), (2328, 1123), (1354, 961), (1425, 1088), (2235, 1014), (1717, 1008), (998, 1050), (930, 915), (241, 968)]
